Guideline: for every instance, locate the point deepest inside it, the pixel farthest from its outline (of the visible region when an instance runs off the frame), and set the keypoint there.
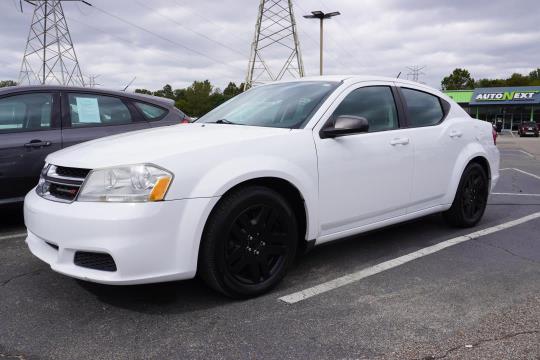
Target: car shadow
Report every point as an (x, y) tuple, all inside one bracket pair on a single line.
[(163, 298), (323, 263)]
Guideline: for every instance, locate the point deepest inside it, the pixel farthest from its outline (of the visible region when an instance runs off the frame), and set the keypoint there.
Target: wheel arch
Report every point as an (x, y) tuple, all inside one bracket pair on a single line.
[(285, 188), (471, 154)]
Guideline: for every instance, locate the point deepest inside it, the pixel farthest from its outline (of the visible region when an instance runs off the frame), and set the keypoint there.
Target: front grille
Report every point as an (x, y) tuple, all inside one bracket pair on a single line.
[(72, 172), (95, 261), (64, 192), (61, 183)]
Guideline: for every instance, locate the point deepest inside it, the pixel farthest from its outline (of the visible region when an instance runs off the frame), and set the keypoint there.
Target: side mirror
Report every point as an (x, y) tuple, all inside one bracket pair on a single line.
[(345, 125)]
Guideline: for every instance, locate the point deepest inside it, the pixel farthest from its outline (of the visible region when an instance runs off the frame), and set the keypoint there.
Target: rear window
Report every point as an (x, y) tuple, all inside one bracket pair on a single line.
[(151, 112)]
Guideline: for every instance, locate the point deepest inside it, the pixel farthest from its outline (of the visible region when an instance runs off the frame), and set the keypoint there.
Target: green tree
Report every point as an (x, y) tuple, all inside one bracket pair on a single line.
[(166, 92), (232, 90), (143, 91), (459, 79), (4, 83), (518, 80)]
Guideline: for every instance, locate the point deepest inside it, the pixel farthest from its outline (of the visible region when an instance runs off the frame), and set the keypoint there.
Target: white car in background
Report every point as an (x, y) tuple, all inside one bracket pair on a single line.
[(235, 195)]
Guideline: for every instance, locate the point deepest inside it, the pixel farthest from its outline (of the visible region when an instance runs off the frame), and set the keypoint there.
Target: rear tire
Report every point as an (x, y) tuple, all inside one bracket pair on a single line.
[(249, 242), (471, 198)]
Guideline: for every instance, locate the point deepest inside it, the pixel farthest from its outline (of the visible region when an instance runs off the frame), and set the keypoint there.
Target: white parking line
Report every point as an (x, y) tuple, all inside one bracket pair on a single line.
[(13, 236), (521, 171), (362, 274), (526, 153), (516, 194)]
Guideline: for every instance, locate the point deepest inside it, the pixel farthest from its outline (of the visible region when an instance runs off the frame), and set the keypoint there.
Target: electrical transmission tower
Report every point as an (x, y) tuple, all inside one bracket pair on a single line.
[(49, 56), (275, 44), (415, 72)]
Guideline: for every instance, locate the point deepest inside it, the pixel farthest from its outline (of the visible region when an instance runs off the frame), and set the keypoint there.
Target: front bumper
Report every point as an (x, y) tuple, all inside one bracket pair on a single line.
[(149, 242)]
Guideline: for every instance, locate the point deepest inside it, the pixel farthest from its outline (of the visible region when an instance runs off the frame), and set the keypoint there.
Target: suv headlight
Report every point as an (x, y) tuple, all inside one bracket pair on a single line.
[(130, 183)]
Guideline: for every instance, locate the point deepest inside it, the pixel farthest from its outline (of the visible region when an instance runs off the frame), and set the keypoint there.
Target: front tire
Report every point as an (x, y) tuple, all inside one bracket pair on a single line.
[(471, 198), (249, 242)]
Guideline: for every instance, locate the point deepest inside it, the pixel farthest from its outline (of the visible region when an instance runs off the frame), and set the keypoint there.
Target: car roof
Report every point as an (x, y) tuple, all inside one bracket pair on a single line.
[(351, 79), (142, 97), (357, 78)]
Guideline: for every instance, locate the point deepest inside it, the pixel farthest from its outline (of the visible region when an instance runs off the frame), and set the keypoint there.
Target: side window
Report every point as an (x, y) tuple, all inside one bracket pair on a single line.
[(151, 112), (375, 103), (97, 110), (27, 112), (424, 109)]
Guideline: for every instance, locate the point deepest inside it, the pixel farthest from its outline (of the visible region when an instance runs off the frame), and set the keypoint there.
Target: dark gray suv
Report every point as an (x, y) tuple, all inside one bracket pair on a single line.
[(38, 120)]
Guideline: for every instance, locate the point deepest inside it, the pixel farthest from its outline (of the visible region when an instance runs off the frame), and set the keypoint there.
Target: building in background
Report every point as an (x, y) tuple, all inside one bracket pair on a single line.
[(505, 107)]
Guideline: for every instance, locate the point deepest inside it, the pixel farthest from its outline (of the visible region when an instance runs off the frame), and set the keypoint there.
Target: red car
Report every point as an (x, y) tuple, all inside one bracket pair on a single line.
[(528, 128)]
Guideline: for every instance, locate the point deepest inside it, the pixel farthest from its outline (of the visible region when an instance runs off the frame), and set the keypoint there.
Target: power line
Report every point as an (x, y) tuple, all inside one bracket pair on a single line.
[(191, 30), (163, 37)]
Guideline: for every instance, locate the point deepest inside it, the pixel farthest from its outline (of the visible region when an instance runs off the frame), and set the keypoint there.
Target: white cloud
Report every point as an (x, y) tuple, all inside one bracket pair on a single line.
[(381, 37)]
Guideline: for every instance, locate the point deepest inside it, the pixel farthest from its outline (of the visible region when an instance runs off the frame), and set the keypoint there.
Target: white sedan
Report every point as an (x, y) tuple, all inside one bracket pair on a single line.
[(236, 195)]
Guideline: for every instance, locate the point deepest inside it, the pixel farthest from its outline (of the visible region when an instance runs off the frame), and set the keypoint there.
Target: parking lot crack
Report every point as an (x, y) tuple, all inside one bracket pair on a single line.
[(480, 342), (508, 251), (5, 282)]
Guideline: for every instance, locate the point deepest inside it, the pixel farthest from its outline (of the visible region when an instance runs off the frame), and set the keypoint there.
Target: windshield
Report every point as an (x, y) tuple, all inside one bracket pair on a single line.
[(286, 105)]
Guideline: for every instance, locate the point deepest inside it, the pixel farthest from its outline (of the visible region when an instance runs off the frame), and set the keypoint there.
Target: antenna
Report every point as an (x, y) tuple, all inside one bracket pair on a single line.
[(129, 84), (49, 55), (275, 38), (415, 72)]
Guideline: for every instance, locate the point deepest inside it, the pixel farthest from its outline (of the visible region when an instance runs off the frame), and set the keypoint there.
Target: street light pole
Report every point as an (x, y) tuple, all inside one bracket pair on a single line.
[(321, 16)]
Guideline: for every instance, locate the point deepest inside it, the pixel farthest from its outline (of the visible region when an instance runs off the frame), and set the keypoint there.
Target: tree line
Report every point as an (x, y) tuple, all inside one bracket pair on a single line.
[(461, 79), (197, 99)]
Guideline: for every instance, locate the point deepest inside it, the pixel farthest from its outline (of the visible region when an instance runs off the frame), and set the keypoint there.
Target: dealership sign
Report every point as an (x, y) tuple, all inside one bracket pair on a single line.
[(508, 96)]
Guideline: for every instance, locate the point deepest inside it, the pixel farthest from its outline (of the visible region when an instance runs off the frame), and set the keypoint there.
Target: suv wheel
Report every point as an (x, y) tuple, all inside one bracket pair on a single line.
[(249, 242), (471, 198)]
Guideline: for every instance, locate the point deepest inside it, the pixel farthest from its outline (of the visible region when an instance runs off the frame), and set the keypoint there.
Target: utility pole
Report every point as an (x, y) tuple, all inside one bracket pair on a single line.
[(321, 16), (415, 72), (49, 55), (275, 32)]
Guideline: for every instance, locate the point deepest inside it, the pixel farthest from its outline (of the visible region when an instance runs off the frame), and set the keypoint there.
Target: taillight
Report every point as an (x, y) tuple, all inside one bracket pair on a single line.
[(185, 120), (494, 136)]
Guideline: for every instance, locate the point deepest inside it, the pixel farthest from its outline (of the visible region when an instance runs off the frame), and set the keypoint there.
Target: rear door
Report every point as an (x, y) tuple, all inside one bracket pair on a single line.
[(29, 131), (88, 116), (437, 145)]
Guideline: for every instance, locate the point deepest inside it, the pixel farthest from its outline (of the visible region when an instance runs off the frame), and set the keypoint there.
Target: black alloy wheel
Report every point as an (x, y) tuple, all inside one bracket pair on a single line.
[(249, 242), (471, 198), (256, 246)]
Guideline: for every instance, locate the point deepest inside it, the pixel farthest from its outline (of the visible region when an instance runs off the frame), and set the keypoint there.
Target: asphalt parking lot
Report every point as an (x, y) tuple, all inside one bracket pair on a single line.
[(476, 299)]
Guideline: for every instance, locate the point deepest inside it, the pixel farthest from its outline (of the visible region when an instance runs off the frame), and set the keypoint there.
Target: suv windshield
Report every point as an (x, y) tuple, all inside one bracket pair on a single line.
[(286, 105)]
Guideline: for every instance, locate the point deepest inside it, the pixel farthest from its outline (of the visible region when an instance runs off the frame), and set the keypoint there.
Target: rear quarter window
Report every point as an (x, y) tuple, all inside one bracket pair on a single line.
[(151, 112), (423, 109)]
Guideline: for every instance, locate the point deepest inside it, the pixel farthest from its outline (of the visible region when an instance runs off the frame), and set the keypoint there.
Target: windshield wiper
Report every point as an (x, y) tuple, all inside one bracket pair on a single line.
[(225, 121)]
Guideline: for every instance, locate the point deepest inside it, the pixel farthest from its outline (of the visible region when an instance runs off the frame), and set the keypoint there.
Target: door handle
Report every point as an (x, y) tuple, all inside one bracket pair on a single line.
[(37, 143), (455, 134), (399, 141)]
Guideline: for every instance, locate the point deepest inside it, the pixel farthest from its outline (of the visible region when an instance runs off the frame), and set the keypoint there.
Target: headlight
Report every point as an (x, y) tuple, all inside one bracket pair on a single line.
[(131, 183)]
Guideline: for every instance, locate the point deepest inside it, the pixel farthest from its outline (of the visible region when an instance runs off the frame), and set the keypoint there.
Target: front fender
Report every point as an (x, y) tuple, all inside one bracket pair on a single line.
[(230, 173)]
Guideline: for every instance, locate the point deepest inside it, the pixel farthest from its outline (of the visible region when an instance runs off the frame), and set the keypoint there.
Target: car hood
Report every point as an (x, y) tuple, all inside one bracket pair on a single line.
[(148, 146)]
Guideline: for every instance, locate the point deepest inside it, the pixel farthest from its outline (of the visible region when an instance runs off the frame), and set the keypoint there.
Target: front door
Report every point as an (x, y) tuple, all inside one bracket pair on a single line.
[(364, 178), (29, 131)]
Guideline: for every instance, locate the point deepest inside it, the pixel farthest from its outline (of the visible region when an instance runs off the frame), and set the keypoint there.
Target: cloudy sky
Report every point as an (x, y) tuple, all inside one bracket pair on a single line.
[(179, 41)]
